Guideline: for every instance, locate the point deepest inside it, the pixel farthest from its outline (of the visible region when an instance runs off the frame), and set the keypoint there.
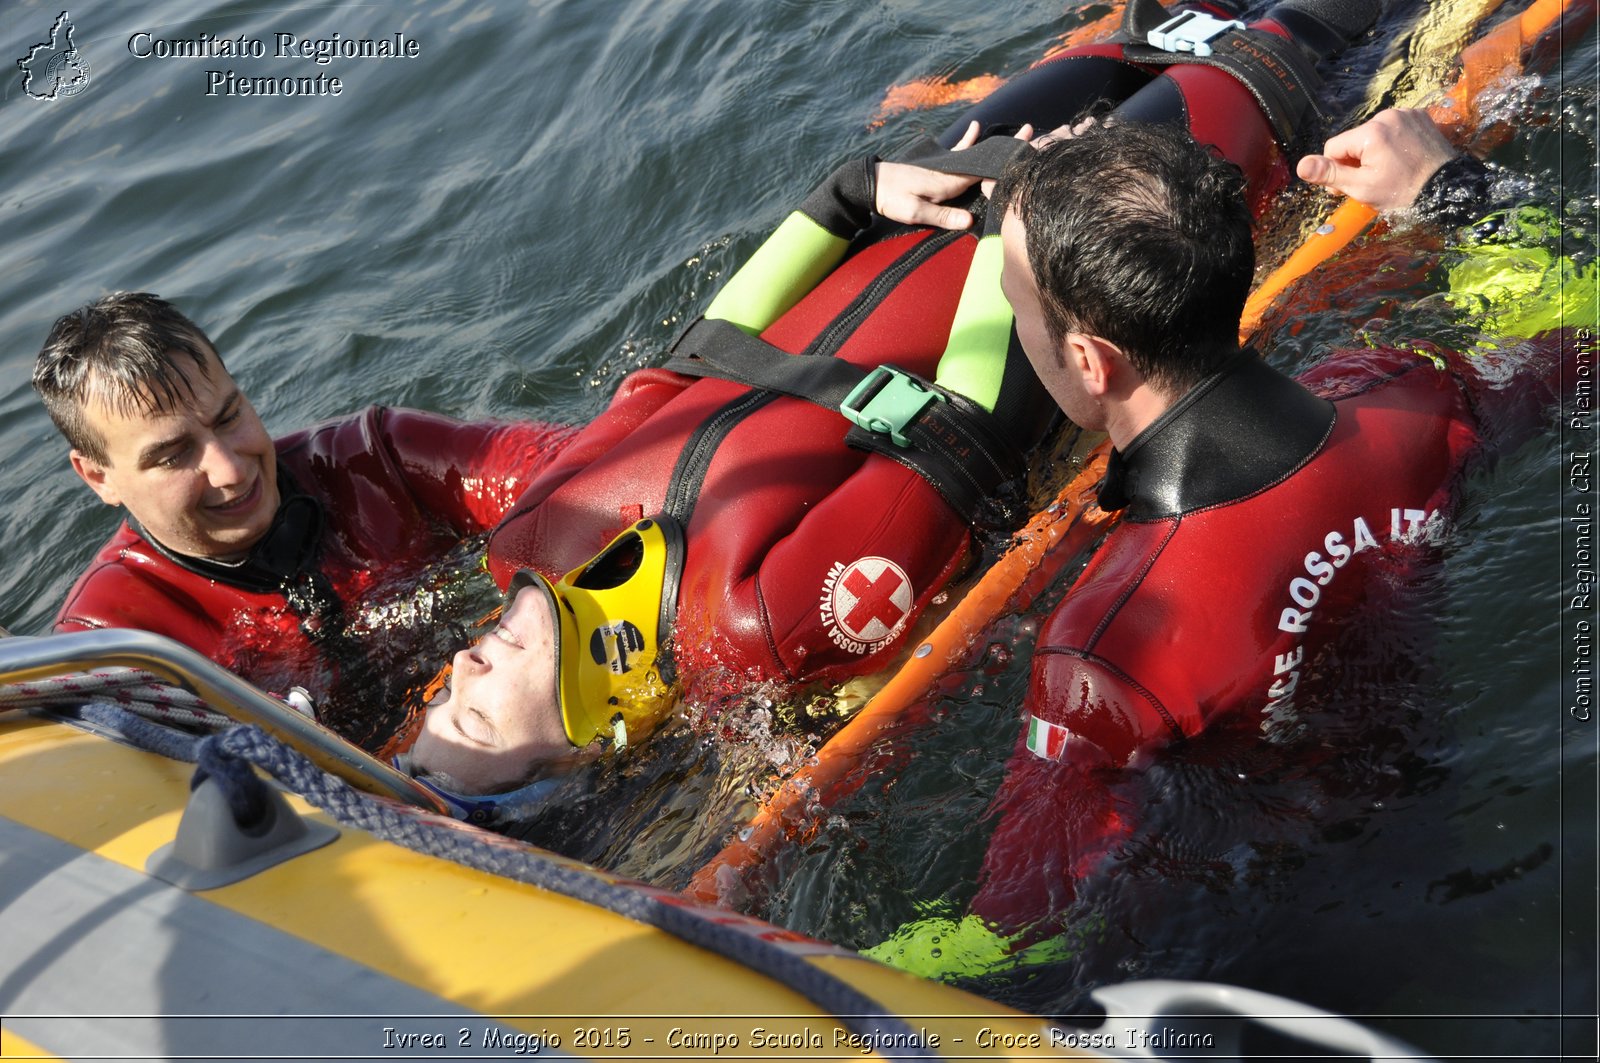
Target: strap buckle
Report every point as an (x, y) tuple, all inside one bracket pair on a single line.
[(888, 400), (1191, 31)]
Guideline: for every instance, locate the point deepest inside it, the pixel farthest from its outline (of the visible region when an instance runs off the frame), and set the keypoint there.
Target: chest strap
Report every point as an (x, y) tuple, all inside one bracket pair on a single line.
[(987, 158), (1276, 71), (959, 447)]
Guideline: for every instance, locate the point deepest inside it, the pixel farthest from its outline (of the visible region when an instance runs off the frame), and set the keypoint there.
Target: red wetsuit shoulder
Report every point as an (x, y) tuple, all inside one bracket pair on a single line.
[(1178, 620), (1207, 617)]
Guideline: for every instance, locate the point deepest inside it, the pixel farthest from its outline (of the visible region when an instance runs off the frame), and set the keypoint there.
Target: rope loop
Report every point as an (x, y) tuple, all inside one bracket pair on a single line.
[(245, 790)]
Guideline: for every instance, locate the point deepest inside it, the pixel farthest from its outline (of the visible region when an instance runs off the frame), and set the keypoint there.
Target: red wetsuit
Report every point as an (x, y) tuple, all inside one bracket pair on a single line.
[(369, 502), (798, 561), (1259, 518), (805, 558)]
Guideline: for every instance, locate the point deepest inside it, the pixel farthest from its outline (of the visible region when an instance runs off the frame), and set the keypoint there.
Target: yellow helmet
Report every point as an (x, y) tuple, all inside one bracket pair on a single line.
[(613, 613)]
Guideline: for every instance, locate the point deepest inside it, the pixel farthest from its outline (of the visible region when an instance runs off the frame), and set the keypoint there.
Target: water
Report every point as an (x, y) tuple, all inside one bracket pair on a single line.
[(509, 224)]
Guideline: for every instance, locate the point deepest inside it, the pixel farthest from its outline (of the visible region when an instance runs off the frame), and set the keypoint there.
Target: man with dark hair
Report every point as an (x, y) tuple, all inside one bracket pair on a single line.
[(267, 557), (128, 363), (807, 547), (1258, 511), (1136, 218), (112, 349)]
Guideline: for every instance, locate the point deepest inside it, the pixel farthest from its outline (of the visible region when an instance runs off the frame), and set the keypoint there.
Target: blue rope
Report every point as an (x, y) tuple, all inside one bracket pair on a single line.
[(246, 793), (152, 737), (226, 757), (244, 790)]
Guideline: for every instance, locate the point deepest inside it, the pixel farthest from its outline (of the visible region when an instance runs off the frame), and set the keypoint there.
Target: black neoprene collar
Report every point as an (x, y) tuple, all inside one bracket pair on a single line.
[(282, 554), (1242, 429)]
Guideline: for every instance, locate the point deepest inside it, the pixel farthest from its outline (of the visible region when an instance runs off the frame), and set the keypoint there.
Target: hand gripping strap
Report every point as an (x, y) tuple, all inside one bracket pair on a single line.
[(987, 158), (960, 448)]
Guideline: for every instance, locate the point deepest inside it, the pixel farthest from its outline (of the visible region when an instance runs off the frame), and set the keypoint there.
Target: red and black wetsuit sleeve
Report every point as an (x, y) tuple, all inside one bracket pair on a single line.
[(467, 474)]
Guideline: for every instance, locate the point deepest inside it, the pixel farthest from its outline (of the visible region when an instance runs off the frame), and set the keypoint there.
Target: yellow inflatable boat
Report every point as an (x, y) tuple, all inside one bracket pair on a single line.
[(244, 920)]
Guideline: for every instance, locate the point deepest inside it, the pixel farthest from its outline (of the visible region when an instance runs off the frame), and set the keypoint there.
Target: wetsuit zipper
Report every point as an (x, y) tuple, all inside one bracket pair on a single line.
[(829, 340), (683, 490), (694, 461)]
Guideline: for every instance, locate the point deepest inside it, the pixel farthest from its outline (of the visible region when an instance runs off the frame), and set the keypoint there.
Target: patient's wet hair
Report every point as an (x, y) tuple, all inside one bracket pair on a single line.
[(129, 351)]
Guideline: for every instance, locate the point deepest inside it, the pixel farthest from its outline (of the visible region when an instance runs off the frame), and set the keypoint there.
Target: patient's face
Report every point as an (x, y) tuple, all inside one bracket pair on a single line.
[(500, 715)]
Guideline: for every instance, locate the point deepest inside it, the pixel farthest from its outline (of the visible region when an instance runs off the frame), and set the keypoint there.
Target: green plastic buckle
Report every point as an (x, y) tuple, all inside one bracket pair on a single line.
[(887, 401)]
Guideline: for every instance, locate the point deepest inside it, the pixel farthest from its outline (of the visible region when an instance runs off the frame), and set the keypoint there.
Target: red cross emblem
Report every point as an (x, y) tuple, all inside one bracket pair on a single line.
[(871, 597)]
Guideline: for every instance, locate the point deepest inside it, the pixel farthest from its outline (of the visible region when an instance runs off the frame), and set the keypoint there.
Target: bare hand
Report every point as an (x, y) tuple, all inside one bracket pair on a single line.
[(1384, 162), (917, 196)]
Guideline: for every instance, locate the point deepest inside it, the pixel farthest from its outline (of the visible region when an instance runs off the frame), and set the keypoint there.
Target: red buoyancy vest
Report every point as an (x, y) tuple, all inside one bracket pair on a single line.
[(786, 512)]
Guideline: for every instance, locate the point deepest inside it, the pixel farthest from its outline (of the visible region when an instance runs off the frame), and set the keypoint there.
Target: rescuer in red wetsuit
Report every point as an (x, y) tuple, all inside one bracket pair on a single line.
[(1257, 511), (273, 559), (806, 557), (1265, 521), (779, 513)]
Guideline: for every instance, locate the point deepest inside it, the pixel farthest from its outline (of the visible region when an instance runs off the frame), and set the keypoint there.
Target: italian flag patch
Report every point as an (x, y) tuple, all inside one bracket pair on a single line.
[(1046, 739)]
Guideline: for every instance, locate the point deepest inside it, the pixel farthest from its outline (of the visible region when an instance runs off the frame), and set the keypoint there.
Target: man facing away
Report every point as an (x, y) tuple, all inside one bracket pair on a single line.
[(1260, 513)]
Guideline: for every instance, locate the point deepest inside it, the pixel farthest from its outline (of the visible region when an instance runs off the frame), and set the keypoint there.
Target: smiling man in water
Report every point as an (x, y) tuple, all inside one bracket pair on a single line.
[(272, 558), (131, 442)]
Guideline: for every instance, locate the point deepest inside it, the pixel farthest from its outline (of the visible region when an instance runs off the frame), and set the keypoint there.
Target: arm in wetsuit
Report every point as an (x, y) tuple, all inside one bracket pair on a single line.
[(466, 474), (1516, 268), (819, 577)]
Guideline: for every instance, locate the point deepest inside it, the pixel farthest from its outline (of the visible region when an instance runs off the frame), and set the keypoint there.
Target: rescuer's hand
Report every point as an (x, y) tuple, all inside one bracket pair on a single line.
[(917, 196), (1383, 162)]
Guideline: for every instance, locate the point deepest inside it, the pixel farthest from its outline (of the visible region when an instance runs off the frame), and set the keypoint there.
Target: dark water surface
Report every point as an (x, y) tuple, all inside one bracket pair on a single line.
[(508, 224)]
